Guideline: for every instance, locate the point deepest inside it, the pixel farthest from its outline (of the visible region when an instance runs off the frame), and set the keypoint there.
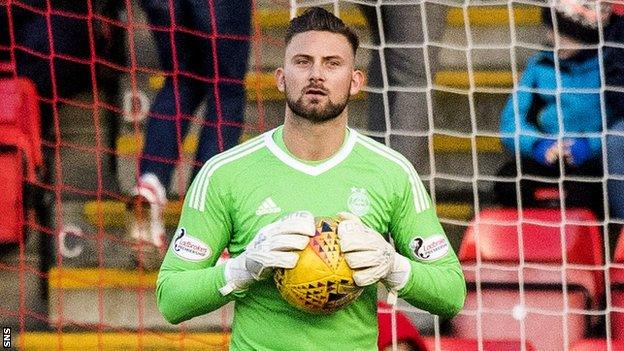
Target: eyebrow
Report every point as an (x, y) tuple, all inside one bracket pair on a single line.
[(332, 57)]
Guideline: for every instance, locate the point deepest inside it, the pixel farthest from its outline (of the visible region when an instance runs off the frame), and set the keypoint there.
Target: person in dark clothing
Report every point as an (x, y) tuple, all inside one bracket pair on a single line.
[(614, 78), (52, 46)]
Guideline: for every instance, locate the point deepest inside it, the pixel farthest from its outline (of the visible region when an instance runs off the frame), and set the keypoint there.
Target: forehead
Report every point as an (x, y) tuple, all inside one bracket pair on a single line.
[(318, 43)]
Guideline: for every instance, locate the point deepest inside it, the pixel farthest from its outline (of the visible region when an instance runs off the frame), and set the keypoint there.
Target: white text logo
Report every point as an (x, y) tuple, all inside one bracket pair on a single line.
[(268, 206)]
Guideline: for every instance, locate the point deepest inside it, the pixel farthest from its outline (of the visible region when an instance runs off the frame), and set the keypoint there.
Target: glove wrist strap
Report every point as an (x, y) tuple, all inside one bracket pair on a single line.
[(400, 273), (237, 279)]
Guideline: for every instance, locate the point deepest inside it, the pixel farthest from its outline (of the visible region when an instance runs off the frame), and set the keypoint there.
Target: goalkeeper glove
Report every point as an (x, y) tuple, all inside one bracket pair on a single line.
[(272, 247), (371, 257)]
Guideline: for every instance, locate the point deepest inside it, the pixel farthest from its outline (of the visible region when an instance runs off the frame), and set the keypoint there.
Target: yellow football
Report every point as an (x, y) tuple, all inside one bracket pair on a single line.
[(321, 282)]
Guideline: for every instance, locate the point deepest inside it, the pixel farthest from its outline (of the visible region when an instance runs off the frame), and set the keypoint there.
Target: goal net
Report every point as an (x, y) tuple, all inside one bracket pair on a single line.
[(543, 266)]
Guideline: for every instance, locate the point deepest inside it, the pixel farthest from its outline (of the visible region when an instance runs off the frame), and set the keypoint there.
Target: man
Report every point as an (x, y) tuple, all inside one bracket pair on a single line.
[(313, 164)]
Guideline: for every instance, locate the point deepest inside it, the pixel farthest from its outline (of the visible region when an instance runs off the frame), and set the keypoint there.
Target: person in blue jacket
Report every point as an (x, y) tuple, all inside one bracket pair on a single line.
[(554, 116)]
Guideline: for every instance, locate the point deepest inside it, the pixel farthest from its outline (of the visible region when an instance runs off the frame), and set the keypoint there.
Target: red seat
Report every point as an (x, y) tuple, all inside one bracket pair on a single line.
[(406, 331), (597, 345), (494, 273), (20, 124), (461, 344), (617, 290), (20, 152)]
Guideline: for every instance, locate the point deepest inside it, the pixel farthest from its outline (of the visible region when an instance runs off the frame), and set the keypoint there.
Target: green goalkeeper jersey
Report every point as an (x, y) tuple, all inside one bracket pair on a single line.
[(256, 183)]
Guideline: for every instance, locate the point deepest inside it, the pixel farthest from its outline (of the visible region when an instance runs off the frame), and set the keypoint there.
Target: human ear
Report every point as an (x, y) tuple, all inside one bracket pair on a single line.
[(279, 79), (357, 81)]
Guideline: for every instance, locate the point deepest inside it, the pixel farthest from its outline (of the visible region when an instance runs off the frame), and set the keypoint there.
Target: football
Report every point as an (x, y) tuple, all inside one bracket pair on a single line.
[(321, 282)]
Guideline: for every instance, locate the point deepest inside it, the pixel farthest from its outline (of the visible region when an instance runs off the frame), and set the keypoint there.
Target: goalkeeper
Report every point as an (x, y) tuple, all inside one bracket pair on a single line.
[(259, 200)]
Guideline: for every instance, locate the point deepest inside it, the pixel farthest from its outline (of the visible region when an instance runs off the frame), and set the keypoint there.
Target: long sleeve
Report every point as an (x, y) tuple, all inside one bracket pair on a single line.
[(188, 281), (524, 98), (436, 283), (184, 294)]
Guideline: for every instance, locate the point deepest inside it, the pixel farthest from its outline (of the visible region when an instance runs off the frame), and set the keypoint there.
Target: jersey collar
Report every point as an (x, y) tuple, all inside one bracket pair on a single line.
[(311, 169)]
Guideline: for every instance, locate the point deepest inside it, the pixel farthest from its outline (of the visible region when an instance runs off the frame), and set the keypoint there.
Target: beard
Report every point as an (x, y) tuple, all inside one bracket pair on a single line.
[(315, 112)]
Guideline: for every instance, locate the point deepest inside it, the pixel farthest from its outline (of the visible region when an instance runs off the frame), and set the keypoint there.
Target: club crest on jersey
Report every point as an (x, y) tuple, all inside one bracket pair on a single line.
[(359, 202), (430, 248), (189, 247)]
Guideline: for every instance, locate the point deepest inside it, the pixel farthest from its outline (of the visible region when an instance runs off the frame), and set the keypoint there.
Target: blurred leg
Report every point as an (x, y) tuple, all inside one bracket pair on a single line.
[(377, 121), (176, 101), (614, 67), (406, 76), (225, 101), (615, 159)]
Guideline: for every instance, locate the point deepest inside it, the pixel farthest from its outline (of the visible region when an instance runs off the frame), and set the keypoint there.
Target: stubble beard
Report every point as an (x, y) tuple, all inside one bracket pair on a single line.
[(315, 113)]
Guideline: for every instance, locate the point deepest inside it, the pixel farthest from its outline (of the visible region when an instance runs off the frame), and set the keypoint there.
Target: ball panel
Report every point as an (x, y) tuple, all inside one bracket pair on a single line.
[(325, 243), (321, 282)]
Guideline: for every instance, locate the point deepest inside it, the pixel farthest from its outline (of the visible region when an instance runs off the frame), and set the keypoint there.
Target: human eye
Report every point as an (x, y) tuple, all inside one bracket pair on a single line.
[(335, 63), (301, 61)]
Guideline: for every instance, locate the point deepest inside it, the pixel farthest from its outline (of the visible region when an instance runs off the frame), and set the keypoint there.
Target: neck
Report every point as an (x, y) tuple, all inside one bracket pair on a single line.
[(314, 141)]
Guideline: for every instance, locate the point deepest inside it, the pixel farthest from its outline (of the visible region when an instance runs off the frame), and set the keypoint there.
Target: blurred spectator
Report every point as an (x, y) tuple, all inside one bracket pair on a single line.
[(407, 336), (42, 58), (51, 45), (196, 72), (540, 109), (614, 76), (399, 29)]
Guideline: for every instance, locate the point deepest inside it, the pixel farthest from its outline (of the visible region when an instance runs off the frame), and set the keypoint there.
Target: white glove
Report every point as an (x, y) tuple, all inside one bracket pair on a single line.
[(275, 245), (371, 257)]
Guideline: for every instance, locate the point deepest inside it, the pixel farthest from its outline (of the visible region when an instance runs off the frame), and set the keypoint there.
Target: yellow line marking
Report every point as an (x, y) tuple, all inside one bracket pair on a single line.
[(114, 214), (491, 16), (104, 278), (448, 143), (460, 79), (454, 210), (132, 144), (113, 341), (270, 18)]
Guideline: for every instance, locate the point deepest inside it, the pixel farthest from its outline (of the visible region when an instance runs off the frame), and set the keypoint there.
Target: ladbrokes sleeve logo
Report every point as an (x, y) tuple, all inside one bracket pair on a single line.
[(188, 247), (430, 248)]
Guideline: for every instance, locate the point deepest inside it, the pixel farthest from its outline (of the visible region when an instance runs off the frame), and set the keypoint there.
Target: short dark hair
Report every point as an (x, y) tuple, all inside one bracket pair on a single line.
[(319, 19)]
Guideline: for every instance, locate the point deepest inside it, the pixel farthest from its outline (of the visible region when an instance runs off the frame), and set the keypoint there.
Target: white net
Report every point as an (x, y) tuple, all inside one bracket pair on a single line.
[(546, 277), (537, 237)]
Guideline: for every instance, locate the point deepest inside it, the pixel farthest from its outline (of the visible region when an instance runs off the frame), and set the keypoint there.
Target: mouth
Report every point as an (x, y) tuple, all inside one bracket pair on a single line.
[(315, 92)]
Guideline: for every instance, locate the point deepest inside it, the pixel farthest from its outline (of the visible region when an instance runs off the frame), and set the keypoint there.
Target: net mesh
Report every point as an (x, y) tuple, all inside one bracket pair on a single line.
[(439, 74)]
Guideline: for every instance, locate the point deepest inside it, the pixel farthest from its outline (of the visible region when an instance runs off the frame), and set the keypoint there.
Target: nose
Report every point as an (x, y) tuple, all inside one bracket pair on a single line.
[(317, 73)]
